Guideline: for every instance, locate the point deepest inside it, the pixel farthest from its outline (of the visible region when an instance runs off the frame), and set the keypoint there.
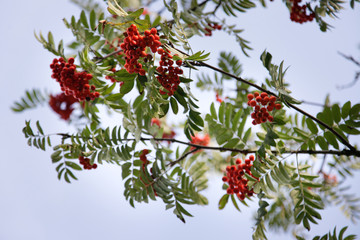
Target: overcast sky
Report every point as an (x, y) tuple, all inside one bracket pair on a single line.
[(34, 205)]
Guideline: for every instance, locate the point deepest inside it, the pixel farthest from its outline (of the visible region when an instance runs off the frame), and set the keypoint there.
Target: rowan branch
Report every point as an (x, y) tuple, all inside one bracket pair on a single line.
[(242, 151), (99, 59), (343, 140), (182, 157)]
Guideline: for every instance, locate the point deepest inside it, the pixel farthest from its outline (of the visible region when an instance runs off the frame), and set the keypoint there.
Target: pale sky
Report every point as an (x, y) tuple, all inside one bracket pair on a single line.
[(34, 205)]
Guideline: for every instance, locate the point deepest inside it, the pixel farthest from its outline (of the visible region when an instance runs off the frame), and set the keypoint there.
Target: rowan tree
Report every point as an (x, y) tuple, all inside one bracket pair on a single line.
[(139, 65)]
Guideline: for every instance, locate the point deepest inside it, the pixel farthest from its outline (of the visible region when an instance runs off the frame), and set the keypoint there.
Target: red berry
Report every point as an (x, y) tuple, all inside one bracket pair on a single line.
[(272, 99), (153, 31), (263, 94), (270, 108), (229, 191)]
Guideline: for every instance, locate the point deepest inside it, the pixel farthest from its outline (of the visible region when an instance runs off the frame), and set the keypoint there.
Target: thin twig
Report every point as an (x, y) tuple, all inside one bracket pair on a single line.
[(217, 7), (182, 157), (313, 103), (106, 56), (322, 164), (350, 58)]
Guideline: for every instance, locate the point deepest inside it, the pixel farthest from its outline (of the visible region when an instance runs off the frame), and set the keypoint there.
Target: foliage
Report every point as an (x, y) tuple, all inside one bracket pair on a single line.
[(291, 190)]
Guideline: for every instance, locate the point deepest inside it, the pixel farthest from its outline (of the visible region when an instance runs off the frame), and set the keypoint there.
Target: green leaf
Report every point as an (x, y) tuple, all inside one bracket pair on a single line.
[(93, 20), (174, 105), (311, 125), (73, 165), (349, 130), (306, 224), (223, 201), (83, 19), (213, 111), (336, 113), (178, 206), (269, 183), (234, 202), (127, 86), (322, 143), (346, 109), (196, 118), (330, 138), (354, 111), (55, 156)]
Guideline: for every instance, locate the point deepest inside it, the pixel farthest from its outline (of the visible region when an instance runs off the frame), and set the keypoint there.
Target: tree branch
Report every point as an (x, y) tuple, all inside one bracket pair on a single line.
[(343, 140), (243, 151), (182, 157), (99, 59), (350, 58)]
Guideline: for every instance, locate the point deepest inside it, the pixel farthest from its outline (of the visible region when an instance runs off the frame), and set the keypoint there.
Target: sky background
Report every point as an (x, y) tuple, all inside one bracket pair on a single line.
[(34, 205)]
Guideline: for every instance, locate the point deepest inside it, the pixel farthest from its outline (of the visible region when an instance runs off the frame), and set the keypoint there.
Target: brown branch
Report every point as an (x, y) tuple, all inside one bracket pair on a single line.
[(343, 140), (313, 103), (243, 151), (199, 5), (106, 56), (248, 151), (217, 7), (350, 58), (182, 157), (322, 164)]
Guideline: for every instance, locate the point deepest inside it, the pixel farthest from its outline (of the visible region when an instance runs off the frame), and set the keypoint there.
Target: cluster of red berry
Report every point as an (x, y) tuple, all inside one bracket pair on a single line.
[(134, 46), (235, 177), (168, 74), (262, 104), (213, 27), (72, 82), (298, 13), (62, 105), (86, 163), (203, 141), (112, 79)]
